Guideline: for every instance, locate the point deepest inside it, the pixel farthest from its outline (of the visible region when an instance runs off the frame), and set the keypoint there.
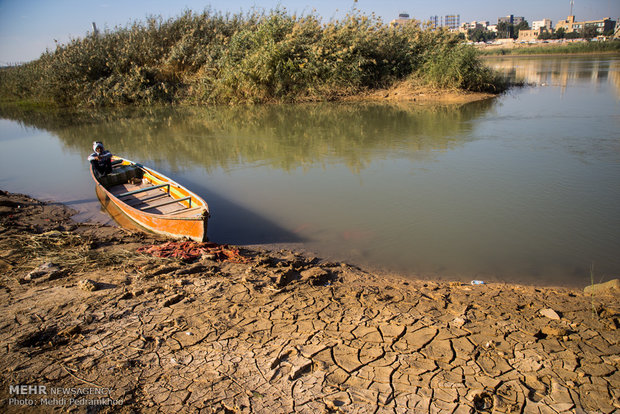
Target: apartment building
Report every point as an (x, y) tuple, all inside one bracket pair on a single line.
[(545, 24), (403, 18), (570, 25), (453, 21), (474, 25), (511, 19), (529, 35)]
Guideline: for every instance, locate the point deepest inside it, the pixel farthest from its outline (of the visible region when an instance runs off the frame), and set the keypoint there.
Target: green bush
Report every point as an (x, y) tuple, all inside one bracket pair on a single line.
[(458, 67), (254, 58)]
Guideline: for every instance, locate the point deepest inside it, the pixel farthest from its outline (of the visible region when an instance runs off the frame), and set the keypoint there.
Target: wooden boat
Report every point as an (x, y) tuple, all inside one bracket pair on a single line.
[(137, 196)]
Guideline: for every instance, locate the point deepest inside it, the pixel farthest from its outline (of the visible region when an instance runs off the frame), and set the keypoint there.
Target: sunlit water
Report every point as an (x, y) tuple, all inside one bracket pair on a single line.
[(524, 187)]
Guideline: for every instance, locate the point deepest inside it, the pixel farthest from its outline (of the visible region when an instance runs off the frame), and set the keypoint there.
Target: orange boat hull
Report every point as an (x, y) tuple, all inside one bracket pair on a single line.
[(193, 227)]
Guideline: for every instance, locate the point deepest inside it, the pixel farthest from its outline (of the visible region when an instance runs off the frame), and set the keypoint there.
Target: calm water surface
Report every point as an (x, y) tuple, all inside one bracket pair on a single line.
[(525, 187)]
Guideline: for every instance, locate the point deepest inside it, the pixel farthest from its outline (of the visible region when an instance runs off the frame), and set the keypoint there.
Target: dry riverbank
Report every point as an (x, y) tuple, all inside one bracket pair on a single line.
[(405, 92), (278, 332)]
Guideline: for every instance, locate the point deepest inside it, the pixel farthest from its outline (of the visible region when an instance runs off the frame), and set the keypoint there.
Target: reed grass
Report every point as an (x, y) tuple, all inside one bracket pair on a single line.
[(459, 67), (551, 49), (244, 58)]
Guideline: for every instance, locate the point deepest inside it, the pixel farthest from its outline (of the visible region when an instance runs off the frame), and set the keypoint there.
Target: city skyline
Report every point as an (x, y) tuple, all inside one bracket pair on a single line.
[(29, 27)]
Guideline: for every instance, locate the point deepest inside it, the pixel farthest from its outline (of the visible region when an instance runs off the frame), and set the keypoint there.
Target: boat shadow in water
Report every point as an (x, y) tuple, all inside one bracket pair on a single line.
[(230, 223), (235, 224)]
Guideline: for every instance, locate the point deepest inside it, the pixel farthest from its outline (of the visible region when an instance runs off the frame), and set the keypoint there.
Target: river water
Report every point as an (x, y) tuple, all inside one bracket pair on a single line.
[(521, 188)]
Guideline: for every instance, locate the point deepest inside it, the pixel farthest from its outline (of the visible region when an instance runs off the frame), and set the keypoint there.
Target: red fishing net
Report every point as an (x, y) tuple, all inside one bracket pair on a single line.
[(190, 251)]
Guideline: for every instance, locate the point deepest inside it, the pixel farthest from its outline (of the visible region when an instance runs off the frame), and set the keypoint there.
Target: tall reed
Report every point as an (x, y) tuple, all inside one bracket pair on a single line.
[(243, 58)]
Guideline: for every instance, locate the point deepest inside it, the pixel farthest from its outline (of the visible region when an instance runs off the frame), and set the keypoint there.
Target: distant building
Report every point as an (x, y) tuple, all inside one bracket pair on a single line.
[(467, 26), (453, 21), (530, 35), (538, 24), (474, 25), (511, 19), (403, 18), (570, 25), (436, 21)]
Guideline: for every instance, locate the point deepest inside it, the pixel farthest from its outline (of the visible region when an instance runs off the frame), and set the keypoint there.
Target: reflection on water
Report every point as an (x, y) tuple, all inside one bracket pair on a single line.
[(564, 71), (282, 137), (520, 188)]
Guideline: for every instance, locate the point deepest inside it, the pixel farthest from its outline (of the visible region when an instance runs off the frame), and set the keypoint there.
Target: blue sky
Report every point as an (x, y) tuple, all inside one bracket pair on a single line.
[(29, 27)]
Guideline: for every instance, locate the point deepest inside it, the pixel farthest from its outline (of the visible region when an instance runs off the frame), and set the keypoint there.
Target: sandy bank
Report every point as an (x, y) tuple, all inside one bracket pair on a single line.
[(404, 92), (280, 333)]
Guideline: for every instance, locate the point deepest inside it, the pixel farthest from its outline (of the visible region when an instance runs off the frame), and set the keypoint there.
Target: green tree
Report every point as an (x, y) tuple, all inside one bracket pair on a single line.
[(480, 35), (521, 26), (504, 30), (589, 32), (545, 35)]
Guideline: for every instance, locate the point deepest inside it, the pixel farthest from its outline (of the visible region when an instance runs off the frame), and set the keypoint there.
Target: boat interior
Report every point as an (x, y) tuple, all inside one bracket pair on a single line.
[(145, 192)]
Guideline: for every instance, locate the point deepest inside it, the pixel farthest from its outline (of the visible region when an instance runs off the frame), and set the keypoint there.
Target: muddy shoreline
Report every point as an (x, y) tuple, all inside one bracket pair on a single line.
[(105, 328)]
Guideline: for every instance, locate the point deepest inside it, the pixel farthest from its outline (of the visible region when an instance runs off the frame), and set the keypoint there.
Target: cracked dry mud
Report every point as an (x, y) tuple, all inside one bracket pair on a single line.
[(286, 333)]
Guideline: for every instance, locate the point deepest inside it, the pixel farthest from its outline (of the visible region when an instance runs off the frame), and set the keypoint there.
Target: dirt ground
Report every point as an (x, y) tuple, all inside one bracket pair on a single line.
[(422, 95), (92, 325)]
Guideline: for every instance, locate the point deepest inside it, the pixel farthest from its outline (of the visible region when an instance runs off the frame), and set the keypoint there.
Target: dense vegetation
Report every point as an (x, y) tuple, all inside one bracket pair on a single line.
[(577, 47), (256, 57)]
